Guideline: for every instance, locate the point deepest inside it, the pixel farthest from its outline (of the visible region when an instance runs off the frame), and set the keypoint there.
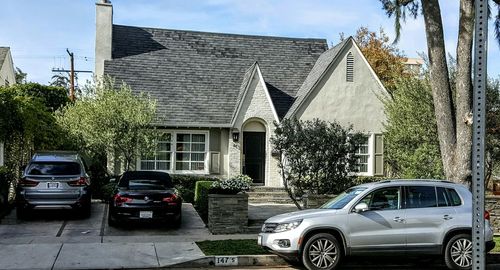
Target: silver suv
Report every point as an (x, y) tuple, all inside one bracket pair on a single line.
[(54, 180), (396, 217)]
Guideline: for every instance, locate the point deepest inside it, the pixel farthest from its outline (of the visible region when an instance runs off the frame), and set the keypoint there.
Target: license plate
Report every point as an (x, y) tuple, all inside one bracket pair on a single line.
[(226, 260), (146, 214), (53, 185), (259, 240)]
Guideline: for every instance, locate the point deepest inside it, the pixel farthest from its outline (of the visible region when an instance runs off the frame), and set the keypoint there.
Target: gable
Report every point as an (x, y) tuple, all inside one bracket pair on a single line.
[(196, 76), (7, 72), (334, 98)]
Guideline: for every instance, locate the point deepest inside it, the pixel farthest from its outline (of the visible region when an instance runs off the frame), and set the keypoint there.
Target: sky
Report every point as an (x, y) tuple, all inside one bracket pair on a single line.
[(39, 32)]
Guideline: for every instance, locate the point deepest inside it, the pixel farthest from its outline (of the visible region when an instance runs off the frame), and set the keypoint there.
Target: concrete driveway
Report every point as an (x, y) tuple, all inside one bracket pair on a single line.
[(64, 227)]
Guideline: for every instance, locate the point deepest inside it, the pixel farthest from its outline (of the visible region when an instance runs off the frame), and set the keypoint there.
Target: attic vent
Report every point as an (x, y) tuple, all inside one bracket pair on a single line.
[(350, 68)]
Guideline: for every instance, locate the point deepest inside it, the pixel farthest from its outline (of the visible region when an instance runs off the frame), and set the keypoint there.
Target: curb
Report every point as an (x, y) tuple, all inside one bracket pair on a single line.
[(241, 260)]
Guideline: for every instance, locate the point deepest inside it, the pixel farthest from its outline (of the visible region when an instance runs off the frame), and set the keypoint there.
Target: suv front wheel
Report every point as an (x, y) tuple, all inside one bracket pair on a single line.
[(458, 254), (322, 251)]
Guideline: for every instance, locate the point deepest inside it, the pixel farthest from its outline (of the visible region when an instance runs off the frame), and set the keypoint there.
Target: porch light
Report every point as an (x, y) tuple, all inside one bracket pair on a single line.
[(236, 135)]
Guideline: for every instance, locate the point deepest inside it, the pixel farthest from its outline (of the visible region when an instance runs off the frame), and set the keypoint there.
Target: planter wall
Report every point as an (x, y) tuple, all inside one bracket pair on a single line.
[(227, 213), (492, 204), (312, 201)]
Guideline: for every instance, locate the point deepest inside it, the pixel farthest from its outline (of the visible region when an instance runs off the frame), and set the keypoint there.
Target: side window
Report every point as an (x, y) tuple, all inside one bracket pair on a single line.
[(454, 198), (383, 199), (442, 197), (420, 197)]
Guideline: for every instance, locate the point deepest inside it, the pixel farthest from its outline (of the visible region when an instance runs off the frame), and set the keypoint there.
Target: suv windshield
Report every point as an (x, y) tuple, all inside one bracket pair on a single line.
[(54, 168), (343, 198)]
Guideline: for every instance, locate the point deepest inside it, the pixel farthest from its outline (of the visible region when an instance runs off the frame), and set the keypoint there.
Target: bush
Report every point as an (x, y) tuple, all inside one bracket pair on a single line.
[(107, 190), (201, 197), (231, 186), (5, 180), (186, 185)]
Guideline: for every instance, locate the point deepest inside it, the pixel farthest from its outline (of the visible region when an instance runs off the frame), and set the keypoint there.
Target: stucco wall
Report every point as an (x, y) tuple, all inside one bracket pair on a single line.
[(103, 36), (7, 71), (256, 106), (355, 103)]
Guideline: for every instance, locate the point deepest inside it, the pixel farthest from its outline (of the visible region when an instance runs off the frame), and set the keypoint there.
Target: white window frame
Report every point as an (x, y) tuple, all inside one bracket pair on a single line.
[(173, 151), (371, 154)]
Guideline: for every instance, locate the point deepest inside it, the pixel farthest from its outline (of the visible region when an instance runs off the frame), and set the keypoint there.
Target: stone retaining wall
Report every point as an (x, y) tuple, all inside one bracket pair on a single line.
[(311, 201), (228, 213), (492, 204)]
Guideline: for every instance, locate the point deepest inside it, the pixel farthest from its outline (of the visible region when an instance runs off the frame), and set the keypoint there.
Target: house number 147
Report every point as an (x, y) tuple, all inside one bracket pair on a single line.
[(226, 260)]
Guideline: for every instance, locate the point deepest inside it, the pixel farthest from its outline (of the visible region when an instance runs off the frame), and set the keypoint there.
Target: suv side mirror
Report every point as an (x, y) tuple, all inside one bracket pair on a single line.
[(361, 207)]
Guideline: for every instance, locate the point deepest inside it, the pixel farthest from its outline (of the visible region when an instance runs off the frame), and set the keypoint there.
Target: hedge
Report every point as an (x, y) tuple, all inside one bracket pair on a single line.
[(201, 197), (186, 185)]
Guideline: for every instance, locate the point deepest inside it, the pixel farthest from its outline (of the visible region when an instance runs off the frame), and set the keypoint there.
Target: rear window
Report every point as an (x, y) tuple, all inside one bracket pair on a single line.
[(54, 168), (146, 180)]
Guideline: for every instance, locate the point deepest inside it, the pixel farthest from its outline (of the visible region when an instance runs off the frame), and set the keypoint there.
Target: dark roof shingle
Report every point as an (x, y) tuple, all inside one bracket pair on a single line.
[(196, 76)]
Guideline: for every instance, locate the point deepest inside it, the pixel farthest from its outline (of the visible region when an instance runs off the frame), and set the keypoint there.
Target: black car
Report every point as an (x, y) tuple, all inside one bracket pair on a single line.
[(145, 196)]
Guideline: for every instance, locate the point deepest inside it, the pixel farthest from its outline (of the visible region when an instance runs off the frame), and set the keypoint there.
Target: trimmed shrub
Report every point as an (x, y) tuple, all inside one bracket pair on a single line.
[(201, 197), (186, 185), (5, 180)]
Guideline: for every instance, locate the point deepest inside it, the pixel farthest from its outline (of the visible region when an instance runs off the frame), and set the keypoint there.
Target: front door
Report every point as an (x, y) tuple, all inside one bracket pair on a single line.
[(254, 155)]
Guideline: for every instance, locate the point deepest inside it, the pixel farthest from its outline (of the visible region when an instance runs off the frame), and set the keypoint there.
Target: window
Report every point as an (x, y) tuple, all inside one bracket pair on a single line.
[(362, 155), (447, 197), (420, 197), (178, 152), (383, 199), (350, 68), (161, 159)]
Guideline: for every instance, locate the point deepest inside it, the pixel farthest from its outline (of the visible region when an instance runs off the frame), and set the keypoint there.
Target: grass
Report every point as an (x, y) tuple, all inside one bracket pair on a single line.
[(231, 247)]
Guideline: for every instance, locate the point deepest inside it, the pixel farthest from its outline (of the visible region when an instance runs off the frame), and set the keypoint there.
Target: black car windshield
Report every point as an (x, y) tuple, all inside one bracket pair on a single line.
[(54, 168), (343, 198)]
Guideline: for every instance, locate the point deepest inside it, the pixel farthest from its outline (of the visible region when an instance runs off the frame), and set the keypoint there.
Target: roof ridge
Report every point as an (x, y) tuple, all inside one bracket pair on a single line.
[(226, 34)]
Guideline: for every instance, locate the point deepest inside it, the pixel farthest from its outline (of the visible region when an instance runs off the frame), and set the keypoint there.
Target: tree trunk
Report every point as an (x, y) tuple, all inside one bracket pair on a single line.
[(440, 84), (463, 163)]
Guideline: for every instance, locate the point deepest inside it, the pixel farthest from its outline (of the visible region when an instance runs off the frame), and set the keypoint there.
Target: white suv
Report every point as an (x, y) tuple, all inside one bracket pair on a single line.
[(396, 217)]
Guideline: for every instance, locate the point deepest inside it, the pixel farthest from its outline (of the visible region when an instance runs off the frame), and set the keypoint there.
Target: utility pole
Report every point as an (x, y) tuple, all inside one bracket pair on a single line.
[(71, 76)]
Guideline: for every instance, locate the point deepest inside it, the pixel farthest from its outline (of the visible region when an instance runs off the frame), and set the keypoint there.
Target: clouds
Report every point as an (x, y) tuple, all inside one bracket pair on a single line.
[(38, 31)]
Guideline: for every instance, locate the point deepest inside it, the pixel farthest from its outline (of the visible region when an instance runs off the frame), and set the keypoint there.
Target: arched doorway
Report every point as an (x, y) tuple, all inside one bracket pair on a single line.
[(254, 151)]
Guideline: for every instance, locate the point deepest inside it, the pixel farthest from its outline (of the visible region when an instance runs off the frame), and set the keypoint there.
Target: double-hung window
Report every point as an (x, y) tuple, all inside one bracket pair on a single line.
[(362, 156), (178, 152)]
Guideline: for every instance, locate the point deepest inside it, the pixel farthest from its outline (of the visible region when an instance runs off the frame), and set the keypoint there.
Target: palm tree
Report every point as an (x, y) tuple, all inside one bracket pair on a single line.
[(453, 109)]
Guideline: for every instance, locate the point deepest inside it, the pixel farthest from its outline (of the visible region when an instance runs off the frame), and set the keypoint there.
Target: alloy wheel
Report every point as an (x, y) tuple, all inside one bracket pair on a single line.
[(461, 252), (323, 253)]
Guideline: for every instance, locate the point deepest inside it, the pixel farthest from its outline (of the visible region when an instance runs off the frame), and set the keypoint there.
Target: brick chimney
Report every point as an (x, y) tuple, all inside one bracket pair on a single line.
[(103, 35)]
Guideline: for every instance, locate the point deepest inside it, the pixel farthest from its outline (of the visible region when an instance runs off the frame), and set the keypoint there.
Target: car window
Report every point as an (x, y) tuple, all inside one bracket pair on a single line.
[(54, 168), (443, 197), (146, 184), (420, 197), (343, 198), (383, 199), (454, 198)]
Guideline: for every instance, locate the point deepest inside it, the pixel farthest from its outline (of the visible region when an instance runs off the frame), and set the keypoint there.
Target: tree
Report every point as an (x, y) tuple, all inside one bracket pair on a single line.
[(114, 120), (492, 127), (411, 143), (20, 76), (384, 57), (315, 156), (452, 109), (53, 97)]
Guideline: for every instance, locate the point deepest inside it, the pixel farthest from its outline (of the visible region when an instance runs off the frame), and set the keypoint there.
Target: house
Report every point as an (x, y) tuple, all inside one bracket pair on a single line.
[(218, 95), (7, 77)]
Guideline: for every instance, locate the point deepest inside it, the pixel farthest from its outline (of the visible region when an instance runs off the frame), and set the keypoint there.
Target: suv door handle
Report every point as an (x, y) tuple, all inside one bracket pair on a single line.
[(398, 219), (447, 217)]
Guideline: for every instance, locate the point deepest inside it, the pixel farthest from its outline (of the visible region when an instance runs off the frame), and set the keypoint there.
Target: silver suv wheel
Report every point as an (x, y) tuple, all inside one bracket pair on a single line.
[(322, 251), (459, 252)]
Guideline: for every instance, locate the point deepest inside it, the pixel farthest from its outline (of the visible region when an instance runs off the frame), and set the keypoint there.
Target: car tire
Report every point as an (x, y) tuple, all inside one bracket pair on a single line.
[(21, 212), (458, 252), (322, 251), (178, 221)]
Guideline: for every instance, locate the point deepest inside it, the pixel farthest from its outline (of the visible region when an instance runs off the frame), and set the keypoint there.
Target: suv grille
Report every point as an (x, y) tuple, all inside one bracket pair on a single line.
[(269, 227)]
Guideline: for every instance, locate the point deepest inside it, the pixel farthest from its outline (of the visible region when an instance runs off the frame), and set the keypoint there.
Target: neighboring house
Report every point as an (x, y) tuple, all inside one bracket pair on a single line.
[(414, 65), (218, 95), (7, 77)]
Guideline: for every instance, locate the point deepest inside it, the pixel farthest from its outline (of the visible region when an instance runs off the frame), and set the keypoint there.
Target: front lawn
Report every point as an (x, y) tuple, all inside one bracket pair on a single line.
[(497, 246), (231, 247)]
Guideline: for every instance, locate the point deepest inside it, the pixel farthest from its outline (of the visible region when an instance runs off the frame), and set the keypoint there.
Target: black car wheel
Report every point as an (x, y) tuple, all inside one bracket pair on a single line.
[(322, 251), (21, 212), (458, 253)]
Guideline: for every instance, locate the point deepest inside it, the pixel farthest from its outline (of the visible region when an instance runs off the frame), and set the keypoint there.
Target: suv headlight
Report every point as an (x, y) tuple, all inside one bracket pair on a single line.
[(283, 227)]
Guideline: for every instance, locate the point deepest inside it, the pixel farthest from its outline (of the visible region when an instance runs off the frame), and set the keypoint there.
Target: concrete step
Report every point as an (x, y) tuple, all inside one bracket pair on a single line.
[(254, 229), (261, 196), (266, 189)]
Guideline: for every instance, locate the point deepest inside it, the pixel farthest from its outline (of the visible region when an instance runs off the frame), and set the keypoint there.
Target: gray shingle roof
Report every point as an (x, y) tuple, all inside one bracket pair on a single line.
[(316, 73), (196, 77), (3, 54)]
